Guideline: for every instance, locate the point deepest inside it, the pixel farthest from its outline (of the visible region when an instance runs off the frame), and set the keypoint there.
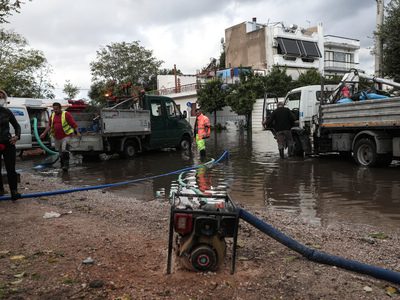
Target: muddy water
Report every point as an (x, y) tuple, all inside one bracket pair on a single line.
[(319, 189)]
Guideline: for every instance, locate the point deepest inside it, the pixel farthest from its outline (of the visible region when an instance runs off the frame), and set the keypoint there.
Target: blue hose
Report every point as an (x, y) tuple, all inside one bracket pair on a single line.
[(107, 185), (319, 257)]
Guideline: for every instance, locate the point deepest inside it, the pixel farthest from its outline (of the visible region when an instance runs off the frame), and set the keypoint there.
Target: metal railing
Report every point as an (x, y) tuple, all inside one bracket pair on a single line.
[(179, 89)]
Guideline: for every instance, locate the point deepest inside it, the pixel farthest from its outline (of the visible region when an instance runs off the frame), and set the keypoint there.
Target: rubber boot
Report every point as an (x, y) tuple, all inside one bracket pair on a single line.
[(290, 151), (203, 152), (15, 195), (65, 166), (282, 153), (62, 161)]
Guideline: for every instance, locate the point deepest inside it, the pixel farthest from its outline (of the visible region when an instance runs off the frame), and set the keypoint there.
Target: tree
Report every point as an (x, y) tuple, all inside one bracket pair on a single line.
[(389, 33), (8, 6), (70, 90), (242, 96), (311, 77), (211, 97), (278, 82), (169, 72), (222, 60), (96, 94), (124, 62), (23, 72)]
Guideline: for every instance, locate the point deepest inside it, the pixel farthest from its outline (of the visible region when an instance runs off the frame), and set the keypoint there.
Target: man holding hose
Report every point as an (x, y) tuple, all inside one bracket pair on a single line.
[(61, 126)]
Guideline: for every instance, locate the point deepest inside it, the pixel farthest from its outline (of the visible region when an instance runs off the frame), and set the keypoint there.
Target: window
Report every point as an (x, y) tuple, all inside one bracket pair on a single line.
[(172, 110), (156, 108), (293, 100)]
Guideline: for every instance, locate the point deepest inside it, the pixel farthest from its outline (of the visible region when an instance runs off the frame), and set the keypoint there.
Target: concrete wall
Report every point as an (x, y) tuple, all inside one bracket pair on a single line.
[(245, 48)]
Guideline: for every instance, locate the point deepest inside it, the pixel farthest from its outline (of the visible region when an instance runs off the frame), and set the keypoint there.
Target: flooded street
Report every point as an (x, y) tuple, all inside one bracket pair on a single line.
[(319, 189)]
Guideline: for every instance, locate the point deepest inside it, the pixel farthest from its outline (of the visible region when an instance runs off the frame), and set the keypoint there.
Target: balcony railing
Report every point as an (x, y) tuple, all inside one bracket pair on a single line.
[(179, 89)]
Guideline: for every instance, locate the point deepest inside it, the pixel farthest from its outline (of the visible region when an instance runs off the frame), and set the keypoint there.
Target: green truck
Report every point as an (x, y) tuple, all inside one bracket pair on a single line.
[(133, 125)]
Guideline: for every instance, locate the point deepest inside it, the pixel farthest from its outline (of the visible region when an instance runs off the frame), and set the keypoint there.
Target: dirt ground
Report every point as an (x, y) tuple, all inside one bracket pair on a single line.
[(127, 240)]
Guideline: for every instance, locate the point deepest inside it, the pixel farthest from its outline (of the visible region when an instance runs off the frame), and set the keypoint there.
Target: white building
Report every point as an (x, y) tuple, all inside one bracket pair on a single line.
[(262, 46)]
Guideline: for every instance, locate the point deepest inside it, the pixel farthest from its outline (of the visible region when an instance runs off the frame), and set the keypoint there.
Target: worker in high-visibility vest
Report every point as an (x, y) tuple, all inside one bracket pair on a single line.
[(201, 131), (61, 126)]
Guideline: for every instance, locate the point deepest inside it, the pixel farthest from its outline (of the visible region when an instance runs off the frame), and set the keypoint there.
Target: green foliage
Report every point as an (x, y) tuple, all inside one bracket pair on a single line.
[(389, 34), (23, 72), (218, 127), (242, 96), (169, 72), (278, 82), (123, 62), (211, 97), (70, 90), (96, 94), (7, 7), (310, 77), (222, 60)]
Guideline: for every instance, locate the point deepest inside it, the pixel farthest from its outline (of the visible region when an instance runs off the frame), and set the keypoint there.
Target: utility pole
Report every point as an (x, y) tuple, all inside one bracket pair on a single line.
[(378, 42)]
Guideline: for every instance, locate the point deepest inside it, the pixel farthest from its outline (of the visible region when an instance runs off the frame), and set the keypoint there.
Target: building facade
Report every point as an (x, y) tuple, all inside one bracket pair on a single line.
[(262, 46)]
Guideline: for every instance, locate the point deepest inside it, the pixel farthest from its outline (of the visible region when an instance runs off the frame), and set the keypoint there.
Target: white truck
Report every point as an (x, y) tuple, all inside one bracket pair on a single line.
[(26, 111), (367, 129)]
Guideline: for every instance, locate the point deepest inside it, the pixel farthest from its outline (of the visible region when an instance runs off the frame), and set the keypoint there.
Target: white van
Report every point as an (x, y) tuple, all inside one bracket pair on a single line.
[(24, 115)]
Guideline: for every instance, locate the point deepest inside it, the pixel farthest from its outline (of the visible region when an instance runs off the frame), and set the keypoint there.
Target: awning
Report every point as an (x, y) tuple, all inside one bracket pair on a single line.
[(299, 48)]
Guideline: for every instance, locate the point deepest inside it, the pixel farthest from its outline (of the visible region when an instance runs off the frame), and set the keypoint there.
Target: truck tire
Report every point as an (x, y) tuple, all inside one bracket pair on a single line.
[(130, 150), (297, 148), (365, 153), (185, 144)]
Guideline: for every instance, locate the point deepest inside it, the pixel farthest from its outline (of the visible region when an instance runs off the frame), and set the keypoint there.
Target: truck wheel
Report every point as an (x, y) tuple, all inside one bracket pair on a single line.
[(130, 150), (185, 144), (365, 153), (297, 148), (19, 152)]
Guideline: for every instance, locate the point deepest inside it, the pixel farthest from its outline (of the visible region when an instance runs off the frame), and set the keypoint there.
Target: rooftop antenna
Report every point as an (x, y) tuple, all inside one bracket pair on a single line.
[(309, 23)]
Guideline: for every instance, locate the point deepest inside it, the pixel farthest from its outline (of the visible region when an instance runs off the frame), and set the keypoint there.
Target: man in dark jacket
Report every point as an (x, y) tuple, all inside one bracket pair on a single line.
[(282, 120)]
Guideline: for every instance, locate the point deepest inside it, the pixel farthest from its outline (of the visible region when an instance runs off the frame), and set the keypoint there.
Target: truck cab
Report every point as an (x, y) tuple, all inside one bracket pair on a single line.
[(304, 103), (169, 127)]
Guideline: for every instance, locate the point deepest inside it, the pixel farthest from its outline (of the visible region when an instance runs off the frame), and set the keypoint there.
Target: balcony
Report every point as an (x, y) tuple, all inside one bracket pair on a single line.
[(185, 88)]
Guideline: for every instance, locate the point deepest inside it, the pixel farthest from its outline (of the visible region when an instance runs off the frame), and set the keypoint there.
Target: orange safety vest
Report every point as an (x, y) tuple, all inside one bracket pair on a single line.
[(203, 127)]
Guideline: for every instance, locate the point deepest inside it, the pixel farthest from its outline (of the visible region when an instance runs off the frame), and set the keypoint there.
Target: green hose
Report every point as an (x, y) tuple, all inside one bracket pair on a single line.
[(38, 138), (197, 191)]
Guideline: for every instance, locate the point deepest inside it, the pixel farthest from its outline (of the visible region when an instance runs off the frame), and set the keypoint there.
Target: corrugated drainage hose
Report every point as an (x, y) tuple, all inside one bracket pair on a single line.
[(319, 257), (38, 138)]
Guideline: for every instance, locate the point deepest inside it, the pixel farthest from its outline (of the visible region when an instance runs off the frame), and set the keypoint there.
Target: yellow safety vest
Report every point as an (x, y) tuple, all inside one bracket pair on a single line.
[(66, 127)]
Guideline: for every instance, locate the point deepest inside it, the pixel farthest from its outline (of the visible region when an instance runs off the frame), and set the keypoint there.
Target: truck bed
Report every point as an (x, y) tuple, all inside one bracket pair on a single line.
[(110, 123), (381, 113), (115, 122)]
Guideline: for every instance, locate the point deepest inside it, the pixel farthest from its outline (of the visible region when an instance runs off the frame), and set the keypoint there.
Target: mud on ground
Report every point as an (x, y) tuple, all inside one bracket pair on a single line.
[(128, 243)]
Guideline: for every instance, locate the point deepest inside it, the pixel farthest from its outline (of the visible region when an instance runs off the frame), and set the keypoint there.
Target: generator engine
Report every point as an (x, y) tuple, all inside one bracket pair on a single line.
[(200, 230)]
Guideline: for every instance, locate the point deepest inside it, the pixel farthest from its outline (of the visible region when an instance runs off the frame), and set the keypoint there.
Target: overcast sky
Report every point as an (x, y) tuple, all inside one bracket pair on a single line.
[(181, 32)]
